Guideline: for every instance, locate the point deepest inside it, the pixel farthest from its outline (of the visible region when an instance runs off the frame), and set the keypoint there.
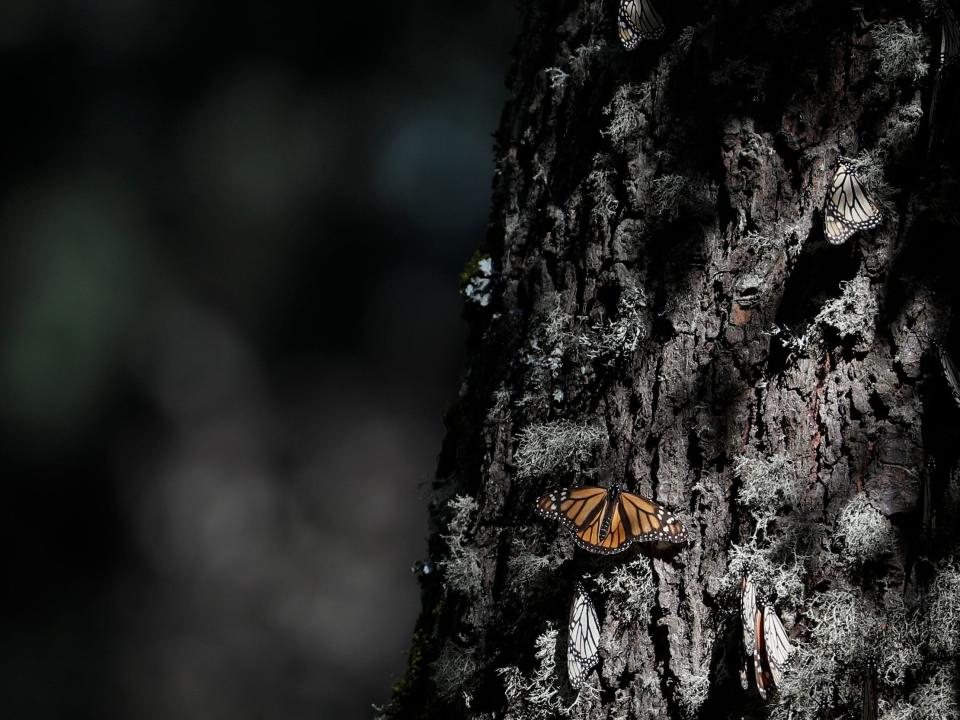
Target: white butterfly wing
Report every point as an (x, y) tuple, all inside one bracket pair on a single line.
[(951, 375), (949, 35), (836, 230), (949, 56), (777, 643), (584, 638), (748, 612), (848, 208), (637, 20)]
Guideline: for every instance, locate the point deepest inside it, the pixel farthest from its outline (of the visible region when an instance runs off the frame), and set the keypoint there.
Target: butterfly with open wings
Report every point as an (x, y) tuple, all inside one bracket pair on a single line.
[(608, 520)]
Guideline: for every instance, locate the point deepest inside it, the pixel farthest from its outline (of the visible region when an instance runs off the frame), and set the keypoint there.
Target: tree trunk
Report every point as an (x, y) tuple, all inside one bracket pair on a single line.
[(656, 304)]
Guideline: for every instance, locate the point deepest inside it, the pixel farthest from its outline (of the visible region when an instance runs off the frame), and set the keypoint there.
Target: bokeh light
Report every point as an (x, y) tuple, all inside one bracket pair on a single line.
[(229, 325)]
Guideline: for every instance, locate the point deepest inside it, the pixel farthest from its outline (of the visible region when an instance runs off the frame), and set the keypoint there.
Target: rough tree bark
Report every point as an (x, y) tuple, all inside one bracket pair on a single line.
[(656, 304)]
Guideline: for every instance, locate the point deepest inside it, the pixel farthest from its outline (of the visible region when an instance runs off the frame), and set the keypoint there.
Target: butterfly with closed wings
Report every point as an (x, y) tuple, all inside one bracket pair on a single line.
[(949, 35), (848, 207), (583, 638), (764, 640), (949, 59), (608, 520), (950, 374), (637, 20)]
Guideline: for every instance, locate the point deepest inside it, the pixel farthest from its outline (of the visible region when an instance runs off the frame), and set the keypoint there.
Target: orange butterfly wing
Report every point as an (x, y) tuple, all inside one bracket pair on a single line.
[(607, 528), (577, 508), (761, 666), (647, 521)]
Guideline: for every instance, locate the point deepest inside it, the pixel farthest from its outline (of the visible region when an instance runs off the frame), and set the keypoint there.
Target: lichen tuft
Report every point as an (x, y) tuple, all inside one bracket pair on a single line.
[(630, 590), (547, 447), (768, 485), (866, 534), (461, 569), (901, 52), (943, 612)]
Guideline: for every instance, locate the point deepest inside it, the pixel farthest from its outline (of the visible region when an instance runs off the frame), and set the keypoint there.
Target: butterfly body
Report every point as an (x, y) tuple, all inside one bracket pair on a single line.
[(848, 207), (607, 520)]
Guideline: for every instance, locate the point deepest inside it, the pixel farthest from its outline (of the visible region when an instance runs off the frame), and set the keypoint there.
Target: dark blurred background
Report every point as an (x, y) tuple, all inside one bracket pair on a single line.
[(230, 239)]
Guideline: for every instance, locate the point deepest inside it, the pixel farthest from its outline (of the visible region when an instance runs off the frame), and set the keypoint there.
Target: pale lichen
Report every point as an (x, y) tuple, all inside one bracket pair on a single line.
[(854, 314), (544, 448), (453, 669), (630, 590), (901, 130), (526, 568), (775, 569), (627, 113), (557, 77), (601, 184), (538, 697), (865, 532), (622, 335), (692, 690), (936, 699), (900, 51), (849, 634), (461, 568), (667, 195), (899, 654), (943, 612), (478, 289), (768, 484), (809, 684)]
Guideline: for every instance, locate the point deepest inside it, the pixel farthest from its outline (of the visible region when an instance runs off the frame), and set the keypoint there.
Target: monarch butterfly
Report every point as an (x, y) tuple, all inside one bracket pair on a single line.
[(949, 35), (949, 56), (950, 374), (764, 638), (583, 639), (636, 21), (848, 207), (607, 520)]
